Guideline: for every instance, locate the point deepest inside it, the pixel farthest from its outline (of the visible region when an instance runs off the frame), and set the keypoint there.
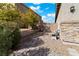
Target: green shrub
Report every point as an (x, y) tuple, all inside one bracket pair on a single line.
[(16, 37), (9, 36)]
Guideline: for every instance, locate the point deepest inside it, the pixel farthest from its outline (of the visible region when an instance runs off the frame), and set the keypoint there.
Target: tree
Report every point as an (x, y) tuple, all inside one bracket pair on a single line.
[(7, 6), (29, 19), (9, 15), (32, 19), (8, 12), (9, 30)]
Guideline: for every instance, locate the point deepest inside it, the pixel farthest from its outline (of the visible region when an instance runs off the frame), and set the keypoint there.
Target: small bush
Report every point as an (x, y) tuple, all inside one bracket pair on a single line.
[(9, 36)]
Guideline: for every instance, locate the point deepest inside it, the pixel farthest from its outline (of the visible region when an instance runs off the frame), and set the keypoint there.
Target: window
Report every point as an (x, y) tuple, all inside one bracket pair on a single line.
[(72, 9)]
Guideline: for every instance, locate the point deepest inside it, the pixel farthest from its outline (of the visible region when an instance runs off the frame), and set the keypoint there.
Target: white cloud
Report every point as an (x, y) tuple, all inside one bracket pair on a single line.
[(36, 3), (49, 18), (51, 14), (35, 8), (43, 16)]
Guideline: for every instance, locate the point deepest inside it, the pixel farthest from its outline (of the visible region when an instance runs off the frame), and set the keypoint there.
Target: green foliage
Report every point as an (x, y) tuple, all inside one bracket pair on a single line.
[(23, 21), (16, 37), (31, 19), (9, 36), (7, 6), (9, 12), (9, 30), (10, 18), (34, 21), (9, 15)]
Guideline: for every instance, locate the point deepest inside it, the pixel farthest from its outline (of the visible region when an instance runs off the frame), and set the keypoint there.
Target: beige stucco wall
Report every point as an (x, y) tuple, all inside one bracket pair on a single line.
[(70, 32), (68, 23), (53, 27), (65, 15)]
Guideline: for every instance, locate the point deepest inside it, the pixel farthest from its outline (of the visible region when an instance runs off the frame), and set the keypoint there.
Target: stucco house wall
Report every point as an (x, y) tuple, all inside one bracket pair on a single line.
[(68, 22), (65, 15)]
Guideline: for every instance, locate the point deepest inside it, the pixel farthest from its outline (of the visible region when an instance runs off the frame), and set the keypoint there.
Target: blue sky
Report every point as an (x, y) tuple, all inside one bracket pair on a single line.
[(45, 10)]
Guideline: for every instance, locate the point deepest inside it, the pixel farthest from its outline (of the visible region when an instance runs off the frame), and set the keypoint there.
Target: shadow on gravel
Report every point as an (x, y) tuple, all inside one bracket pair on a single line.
[(31, 40), (34, 42), (32, 52)]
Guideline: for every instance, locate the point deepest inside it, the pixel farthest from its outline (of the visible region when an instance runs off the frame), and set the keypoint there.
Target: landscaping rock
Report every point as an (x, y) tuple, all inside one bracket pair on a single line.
[(38, 51)]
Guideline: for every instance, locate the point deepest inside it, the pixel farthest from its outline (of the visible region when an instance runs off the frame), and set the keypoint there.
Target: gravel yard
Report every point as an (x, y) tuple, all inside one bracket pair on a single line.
[(43, 44)]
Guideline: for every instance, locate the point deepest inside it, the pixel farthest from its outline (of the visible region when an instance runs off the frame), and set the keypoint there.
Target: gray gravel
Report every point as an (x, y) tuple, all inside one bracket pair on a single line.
[(52, 53), (38, 51), (35, 48), (73, 52)]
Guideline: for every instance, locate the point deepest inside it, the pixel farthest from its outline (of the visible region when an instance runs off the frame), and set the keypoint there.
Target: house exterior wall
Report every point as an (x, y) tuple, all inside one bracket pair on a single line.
[(70, 32), (68, 23), (65, 15), (53, 27)]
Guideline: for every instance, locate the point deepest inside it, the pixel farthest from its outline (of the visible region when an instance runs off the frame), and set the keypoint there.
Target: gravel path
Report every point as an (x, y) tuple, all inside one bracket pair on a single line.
[(43, 44), (36, 51), (35, 47), (73, 52)]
